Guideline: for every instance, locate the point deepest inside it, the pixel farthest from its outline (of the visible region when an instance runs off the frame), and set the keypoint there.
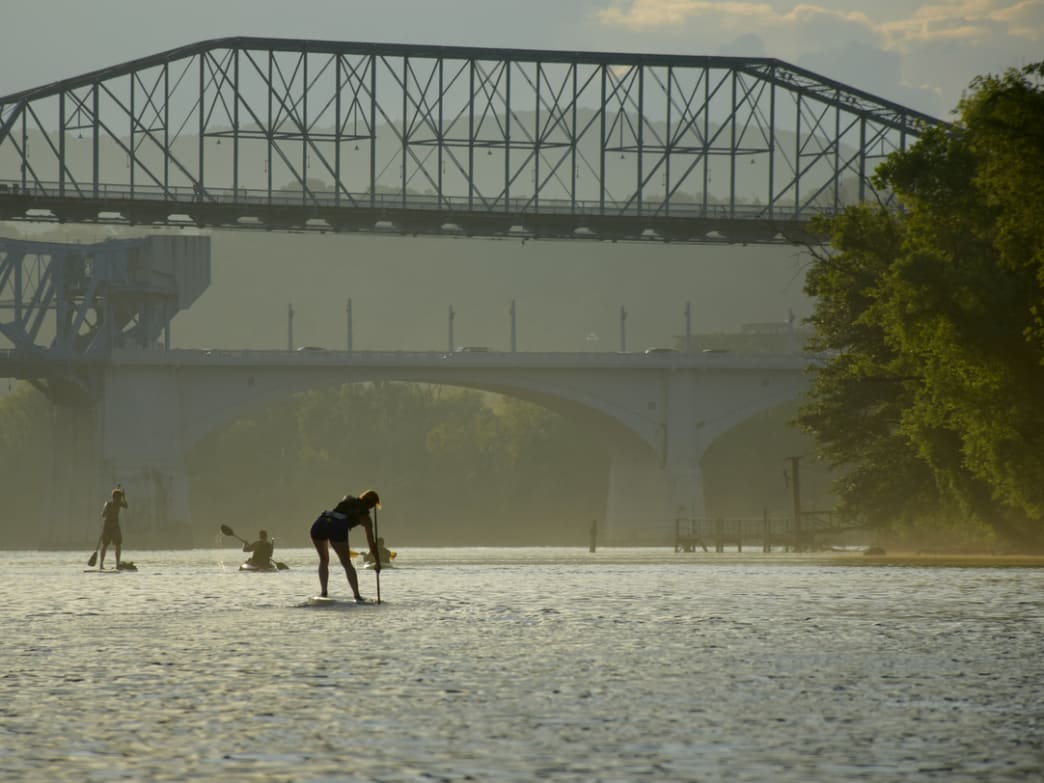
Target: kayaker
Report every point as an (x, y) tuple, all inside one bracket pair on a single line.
[(330, 529), (111, 533), (262, 550), (386, 554)]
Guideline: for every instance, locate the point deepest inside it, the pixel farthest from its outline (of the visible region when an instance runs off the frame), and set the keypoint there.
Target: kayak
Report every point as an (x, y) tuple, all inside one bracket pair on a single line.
[(254, 568), (384, 566), (368, 564)]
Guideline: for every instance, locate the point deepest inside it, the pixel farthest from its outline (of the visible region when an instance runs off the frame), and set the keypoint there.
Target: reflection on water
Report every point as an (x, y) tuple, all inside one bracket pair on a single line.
[(522, 665)]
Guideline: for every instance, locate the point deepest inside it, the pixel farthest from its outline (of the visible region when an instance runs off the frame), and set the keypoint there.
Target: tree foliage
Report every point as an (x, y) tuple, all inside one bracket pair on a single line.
[(455, 466), (933, 319), (26, 460)]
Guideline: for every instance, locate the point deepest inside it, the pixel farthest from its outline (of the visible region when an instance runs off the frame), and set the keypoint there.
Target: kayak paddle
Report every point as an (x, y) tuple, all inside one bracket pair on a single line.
[(227, 531)]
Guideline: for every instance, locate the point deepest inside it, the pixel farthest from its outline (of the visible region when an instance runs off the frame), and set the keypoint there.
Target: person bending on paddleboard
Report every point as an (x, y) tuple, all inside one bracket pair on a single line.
[(111, 533), (330, 529), (262, 550)]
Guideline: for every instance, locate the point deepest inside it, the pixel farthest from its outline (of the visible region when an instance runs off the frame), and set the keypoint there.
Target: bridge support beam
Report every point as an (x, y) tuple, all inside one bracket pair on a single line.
[(645, 498), (142, 449), (131, 437), (76, 493)]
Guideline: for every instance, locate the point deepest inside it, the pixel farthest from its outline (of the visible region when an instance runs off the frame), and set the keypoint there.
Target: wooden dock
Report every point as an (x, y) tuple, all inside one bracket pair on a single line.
[(693, 534)]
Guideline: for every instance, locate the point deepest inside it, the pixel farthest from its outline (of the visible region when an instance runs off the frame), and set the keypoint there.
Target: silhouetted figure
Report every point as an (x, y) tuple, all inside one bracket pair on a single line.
[(386, 554), (330, 529), (111, 533), (261, 550)]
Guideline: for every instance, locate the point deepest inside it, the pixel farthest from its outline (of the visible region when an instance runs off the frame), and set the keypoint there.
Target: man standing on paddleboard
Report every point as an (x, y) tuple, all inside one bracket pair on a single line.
[(330, 529), (111, 533)]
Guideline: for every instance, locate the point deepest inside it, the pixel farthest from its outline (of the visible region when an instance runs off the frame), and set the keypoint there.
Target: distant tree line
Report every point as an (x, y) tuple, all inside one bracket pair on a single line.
[(452, 466), (26, 465), (930, 407)]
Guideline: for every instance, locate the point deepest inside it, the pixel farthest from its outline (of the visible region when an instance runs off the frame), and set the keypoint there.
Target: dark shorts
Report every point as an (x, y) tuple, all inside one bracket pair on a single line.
[(330, 527), (112, 535)]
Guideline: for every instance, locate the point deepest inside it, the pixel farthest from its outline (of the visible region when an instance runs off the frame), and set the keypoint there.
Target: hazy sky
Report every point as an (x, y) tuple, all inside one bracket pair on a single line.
[(921, 54)]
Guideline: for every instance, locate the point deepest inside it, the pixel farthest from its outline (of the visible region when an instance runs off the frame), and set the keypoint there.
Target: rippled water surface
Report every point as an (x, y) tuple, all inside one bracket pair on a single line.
[(522, 665)]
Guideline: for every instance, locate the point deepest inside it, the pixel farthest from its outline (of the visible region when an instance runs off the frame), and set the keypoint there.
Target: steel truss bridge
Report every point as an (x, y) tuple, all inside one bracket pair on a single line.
[(331, 136)]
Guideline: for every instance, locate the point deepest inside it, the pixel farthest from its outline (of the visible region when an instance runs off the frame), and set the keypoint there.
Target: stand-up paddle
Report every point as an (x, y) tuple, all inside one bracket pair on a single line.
[(94, 557), (227, 531), (377, 553)]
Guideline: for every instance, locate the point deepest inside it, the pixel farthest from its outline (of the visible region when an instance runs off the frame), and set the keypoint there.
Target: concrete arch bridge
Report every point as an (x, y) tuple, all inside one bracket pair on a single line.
[(658, 413), (89, 326)]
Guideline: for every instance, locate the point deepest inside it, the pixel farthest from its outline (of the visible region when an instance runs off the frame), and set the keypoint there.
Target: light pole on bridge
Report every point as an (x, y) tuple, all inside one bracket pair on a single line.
[(514, 340), (688, 327), (290, 326), (452, 315), (623, 329), (348, 313)]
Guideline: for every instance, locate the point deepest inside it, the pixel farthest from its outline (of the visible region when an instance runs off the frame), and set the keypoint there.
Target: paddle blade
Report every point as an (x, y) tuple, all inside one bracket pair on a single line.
[(227, 531), (282, 566), (94, 559)]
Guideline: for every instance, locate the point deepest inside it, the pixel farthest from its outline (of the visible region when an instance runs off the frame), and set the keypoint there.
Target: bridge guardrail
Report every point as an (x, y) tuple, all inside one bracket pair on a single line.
[(679, 360), (185, 196)]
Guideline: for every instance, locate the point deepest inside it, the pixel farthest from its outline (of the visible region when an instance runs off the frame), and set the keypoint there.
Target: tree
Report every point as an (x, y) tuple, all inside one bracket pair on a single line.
[(931, 401), (26, 464)]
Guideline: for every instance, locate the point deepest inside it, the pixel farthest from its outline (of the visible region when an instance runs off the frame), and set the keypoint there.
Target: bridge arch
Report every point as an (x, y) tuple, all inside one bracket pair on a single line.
[(658, 416)]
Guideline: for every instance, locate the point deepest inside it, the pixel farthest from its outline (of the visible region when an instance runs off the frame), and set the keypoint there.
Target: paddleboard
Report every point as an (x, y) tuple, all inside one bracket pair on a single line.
[(318, 600), (102, 571)]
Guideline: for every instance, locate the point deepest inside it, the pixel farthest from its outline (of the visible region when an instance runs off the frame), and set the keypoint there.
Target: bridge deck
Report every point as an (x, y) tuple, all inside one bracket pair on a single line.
[(415, 214)]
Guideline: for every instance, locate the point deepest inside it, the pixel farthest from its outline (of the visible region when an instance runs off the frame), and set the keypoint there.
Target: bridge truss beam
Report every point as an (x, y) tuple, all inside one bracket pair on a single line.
[(293, 134)]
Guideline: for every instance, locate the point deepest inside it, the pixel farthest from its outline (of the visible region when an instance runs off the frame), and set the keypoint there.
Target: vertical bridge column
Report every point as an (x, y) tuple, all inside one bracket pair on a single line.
[(645, 497), (657, 477), (77, 484), (142, 449)]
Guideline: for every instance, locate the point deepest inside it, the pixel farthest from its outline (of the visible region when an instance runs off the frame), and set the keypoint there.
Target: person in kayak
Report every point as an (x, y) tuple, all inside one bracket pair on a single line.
[(111, 533), (330, 529), (261, 550), (386, 554)]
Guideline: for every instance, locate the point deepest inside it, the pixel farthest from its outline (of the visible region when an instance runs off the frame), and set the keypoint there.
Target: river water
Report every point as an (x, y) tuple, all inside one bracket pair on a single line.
[(522, 665)]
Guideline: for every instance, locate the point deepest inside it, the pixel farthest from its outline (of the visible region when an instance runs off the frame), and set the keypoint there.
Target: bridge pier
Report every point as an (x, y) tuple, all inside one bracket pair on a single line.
[(75, 495), (120, 440), (142, 449), (644, 497)]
